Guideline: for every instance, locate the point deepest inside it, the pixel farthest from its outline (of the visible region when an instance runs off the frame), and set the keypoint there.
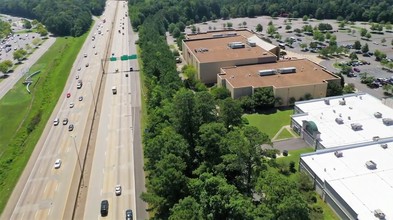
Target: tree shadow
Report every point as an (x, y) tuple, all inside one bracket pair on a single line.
[(4, 76)]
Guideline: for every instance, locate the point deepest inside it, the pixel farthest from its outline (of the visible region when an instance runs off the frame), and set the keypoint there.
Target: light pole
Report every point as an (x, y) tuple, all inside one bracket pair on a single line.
[(79, 161)]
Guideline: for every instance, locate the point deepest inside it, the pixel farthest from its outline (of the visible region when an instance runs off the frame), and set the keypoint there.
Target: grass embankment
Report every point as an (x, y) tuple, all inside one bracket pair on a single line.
[(270, 124), (23, 116)]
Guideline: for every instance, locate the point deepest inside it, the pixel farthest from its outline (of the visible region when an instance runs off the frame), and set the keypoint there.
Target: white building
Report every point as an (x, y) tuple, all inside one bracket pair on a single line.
[(355, 180), (342, 120)]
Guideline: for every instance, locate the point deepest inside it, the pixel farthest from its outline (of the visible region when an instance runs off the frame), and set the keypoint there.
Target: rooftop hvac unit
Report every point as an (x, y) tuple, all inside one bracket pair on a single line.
[(378, 114), (236, 45), (218, 35), (327, 101), (251, 43), (342, 101), (287, 70), (384, 146), (231, 34), (379, 214), (356, 126), (339, 121), (375, 138), (267, 72), (371, 165), (387, 121), (338, 154)]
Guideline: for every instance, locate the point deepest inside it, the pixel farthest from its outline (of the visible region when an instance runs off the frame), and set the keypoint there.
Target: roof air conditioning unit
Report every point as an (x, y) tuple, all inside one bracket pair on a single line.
[(384, 146), (338, 154), (378, 114), (387, 121), (371, 165), (375, 138), (356, 126), (339, 121), (379, 214), (327, 101), (342, 102)]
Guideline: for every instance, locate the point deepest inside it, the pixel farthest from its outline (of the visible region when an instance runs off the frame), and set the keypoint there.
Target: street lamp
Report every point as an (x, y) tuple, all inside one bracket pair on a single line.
[(79, 161)]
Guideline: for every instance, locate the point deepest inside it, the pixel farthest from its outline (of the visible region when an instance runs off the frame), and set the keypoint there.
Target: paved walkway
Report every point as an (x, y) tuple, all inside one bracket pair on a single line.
[(20, 71)]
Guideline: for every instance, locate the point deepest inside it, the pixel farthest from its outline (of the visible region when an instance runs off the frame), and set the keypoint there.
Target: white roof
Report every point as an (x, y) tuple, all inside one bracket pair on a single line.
[(364, 190), (359, 108), (261, 43)]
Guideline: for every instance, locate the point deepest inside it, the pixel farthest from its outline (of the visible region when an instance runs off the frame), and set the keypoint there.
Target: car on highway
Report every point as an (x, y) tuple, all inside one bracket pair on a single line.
[(71, 105), (77, 77), (118, 190), (117, 70), (70, 127), (57, 164), (85, 55), (87, 65), (95, 53), (80, 98), (68, 94), (104, 207), (79, 69), (129, 214), (56, 121), (65, 121)]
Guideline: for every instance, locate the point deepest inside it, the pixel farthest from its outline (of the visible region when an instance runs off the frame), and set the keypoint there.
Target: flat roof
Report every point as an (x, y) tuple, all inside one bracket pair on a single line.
[(216, 49), (358, 108), (364, 190), (210, 34), (306, 73)]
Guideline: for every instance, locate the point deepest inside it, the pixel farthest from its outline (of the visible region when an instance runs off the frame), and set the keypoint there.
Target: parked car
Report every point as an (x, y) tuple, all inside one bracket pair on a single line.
[(129, 214), (104, 207), (356, 69), (57, 164)]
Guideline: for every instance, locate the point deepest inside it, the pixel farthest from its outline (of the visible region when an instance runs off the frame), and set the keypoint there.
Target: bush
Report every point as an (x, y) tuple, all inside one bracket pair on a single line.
[(285, 153)]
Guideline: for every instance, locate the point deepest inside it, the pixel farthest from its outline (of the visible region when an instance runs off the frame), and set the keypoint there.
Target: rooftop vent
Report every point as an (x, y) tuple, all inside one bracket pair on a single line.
[(339, 121), (375, 138), (218, 35), (338, 154), (342, 101), (327, 101), (267, 72), (387, 121), (384, 146), (287, 70), (379, 214), (356, 126), (371, 165), (378, 114), (236, 45), (231, 34)]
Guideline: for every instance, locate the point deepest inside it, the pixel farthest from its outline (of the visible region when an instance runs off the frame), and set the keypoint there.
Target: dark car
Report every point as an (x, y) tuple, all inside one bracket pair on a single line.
[(104, 207), (70, 127), (129, 214)]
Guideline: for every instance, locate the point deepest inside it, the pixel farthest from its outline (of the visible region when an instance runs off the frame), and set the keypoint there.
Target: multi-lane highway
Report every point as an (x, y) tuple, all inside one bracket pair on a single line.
[(44, 192)]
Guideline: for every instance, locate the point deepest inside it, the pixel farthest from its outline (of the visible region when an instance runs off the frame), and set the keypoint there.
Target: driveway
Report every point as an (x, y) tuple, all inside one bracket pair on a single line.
[(290, 144)]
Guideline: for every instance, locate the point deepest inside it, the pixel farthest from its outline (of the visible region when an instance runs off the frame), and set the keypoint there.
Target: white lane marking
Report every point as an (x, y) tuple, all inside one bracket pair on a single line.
[(46, 186), (35, 216), (49, 211)]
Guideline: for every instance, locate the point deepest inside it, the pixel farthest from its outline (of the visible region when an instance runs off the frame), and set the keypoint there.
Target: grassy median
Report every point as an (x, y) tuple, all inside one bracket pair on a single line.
[(23, 116)]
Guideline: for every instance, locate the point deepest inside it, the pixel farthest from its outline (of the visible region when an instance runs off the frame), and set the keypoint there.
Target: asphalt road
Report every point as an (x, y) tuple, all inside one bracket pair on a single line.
[(44, 192), (118, 157)]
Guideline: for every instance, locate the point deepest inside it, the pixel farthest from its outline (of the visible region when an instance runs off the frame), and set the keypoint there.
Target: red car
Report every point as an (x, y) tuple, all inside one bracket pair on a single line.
[(68, 95)]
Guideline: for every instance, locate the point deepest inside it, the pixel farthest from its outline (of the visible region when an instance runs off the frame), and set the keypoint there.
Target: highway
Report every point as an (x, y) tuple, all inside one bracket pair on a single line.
[(116, 147), (44, 192)]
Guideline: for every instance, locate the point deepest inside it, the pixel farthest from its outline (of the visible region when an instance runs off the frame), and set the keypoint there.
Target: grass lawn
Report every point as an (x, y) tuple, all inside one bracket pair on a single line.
[(30, 112), (270, 123), (284, 134)]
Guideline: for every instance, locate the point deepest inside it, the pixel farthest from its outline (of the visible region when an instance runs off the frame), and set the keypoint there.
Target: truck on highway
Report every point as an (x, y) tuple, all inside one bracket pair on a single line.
[(114, 90)]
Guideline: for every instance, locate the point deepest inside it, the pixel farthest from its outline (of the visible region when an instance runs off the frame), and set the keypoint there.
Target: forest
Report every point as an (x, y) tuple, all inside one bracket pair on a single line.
[(61, 17), (202, 160), (192, 11)]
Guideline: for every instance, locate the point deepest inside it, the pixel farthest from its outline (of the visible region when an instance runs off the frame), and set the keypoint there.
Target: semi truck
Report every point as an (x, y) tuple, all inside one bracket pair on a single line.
[(114, 90)]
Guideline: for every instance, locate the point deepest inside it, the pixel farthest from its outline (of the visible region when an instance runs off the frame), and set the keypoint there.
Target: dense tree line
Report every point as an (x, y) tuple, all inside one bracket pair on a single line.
[(202, 161), (61, 17), (188, 12), (5, 29)]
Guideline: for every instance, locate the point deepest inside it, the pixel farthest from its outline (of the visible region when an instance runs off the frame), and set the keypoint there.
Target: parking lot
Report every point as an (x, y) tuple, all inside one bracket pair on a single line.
[(20, 39), (344, 37)]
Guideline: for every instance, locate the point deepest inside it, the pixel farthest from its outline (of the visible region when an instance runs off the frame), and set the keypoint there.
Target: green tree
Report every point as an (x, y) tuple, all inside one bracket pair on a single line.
[(363, 32), (230, 112), (349, 88), (334, 89), (219, 92), (229, 24), (305, 18), (288, 27), (5, 66), (383, 41), (353, 56), (26, 24), (357, 45), (176, 32), (271, 30), (259, 28), (171, 27), (264, 98), (368, 35), (205, 108), (365, 48), (19, 54), (187, 208)]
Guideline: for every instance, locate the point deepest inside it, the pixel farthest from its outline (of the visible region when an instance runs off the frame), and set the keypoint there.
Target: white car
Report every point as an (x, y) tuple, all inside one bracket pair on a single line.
[(57, 164), (118, 190), (71, 105), (80, 98), (77, 76)]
